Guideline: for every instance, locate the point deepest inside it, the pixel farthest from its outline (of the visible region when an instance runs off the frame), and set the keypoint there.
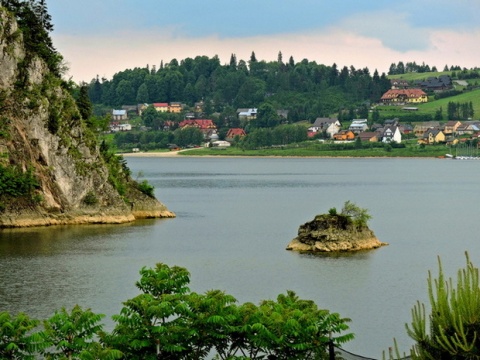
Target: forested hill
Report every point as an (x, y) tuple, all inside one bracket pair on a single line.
[(307, 89)]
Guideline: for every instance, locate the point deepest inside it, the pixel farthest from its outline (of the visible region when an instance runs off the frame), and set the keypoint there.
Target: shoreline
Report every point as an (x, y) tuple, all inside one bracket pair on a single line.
[(175, 154)]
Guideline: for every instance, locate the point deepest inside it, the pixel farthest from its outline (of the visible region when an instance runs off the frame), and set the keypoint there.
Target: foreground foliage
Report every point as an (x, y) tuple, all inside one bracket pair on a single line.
[(451, 329), (168, 321)]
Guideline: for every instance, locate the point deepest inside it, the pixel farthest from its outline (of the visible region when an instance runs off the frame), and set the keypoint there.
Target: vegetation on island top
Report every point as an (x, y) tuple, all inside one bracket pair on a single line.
[(355, 214), (168, 321)]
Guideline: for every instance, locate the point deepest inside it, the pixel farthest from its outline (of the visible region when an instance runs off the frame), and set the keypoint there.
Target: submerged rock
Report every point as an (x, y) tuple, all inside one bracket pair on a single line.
[(327, 233)]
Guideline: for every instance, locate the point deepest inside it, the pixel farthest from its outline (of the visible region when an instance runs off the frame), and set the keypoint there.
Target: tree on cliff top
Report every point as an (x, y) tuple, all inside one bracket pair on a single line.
[(359, 216)]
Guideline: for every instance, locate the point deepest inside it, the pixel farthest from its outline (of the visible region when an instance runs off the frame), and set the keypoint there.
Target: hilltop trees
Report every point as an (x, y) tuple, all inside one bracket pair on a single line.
[(35, 24), (306, 88)]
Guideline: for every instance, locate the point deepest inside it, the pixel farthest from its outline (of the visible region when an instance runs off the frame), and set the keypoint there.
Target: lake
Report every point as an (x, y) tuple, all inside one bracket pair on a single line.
[(235, 217)]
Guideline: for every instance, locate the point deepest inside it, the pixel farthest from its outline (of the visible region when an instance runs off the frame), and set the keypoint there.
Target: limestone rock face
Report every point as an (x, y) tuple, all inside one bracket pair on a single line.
[(41, 131), (328, 233)]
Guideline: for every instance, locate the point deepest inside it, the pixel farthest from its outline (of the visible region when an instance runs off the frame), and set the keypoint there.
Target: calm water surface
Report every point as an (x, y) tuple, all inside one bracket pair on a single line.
[(234, 219)]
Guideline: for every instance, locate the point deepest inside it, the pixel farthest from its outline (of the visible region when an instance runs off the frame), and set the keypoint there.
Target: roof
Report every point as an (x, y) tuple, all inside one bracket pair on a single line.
[(202, 124), (160, 104), (235, 132), (119, 112), (409, 93), (320, 122), (367, 135)]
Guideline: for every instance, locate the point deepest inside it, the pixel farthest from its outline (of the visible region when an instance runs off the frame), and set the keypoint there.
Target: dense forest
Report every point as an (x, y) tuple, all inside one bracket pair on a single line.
[(307, 89)]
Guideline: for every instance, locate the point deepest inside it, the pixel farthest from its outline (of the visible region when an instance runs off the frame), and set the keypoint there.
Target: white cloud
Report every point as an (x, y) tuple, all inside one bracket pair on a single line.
[(106, 55)]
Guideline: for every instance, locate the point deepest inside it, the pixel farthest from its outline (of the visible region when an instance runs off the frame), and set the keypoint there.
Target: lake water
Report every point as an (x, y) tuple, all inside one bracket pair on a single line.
[(234, 220)]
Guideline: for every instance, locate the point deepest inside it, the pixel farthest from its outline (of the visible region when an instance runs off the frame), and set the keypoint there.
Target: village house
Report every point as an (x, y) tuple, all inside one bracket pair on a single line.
[(432, 136), (233, 132), (399, 84), (130, 109), (330, 126), (206, 126), (358, 125), (247, 114), (442, 83), (161, 107), (420, 128), (405, 128), (404, 96), (468, 128), (370, 136), (175, 107), (344, 135), (119, 115), (450, 128), (141, 108), (391, 134)]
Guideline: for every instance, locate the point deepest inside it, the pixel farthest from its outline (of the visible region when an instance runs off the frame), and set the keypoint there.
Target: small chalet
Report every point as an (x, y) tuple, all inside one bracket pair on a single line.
[(468, 128), (420, 129), (451, 127), (442, 83), (391, 134), (432, 136), (358, 125), (119, 115), (175, 107), (330, 126), (370, 136), (344, 135), (202, 124), (247, 114), (161, 107), (398, 83), (404, 96), (232, 132)]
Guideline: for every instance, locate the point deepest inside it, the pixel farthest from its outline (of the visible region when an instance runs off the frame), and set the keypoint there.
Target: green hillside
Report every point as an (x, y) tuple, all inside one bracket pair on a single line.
[(412, 76), (467, 97)]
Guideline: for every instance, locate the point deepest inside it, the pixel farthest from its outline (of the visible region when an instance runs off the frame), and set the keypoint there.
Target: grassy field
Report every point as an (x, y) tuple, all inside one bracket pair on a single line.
[(318, 150), (433, 105), (419, 76)]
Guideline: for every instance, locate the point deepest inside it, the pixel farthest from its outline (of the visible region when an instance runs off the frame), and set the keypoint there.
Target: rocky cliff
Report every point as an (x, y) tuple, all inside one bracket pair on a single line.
[(52, 169), (336, 232)]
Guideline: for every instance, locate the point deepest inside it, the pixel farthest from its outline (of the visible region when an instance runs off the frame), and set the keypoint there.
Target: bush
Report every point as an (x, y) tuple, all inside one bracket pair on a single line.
[(146, 188), (90, 198), (359, 216)]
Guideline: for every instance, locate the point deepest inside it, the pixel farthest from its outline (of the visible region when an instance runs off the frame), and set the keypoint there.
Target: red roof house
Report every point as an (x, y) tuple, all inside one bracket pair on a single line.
[(232, 132)]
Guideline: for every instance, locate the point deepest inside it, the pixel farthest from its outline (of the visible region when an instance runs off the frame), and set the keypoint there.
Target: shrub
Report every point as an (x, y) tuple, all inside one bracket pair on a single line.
[(359, 216), (146, 188), (90, 198)]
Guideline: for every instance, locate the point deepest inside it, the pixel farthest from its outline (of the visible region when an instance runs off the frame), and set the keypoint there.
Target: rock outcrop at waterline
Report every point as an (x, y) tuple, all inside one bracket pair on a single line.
[(333, 233), (52, 169)]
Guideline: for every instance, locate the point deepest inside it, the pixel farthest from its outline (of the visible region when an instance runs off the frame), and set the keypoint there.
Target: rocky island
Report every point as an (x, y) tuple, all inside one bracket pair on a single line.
[(52, 168), (337, 232)]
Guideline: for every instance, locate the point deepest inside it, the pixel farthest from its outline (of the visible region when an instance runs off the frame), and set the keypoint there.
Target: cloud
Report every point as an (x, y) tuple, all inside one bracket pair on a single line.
[(108, 54), (393, 29)]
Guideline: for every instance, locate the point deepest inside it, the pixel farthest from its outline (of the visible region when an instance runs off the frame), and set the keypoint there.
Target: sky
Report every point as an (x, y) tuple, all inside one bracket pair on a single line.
[(104, 37)]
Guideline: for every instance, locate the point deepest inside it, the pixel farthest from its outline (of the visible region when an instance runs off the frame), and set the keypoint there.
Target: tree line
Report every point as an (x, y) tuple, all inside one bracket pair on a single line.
[(168, 321), (307, 89)]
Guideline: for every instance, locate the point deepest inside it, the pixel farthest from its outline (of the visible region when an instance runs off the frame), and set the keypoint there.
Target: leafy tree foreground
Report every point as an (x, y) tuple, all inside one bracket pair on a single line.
[(168, 321)]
